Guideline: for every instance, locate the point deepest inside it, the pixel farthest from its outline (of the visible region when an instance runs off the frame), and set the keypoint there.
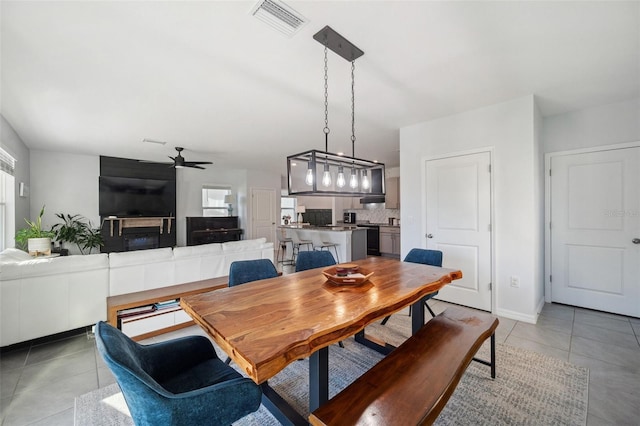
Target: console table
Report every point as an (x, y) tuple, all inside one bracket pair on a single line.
[(158, 295)]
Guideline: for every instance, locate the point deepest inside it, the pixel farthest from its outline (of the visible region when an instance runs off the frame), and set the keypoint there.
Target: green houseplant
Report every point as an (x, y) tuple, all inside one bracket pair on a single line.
[(76, 229), (33, 238)]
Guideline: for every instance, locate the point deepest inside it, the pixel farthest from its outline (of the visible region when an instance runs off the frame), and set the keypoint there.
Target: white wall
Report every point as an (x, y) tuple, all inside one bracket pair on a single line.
[(601, 125), (12, 143), (538, 195), (64, 183), (508, 129)]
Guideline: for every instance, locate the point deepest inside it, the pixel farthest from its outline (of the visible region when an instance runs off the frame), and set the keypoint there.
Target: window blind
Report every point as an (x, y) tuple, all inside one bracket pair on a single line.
[(7, 162)]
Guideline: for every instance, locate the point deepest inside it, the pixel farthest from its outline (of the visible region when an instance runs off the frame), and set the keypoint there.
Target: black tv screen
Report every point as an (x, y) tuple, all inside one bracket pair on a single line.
[(132, 197)]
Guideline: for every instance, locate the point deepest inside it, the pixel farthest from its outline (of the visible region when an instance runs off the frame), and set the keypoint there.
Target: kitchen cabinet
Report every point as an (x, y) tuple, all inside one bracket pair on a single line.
[(392, 196), (390, 241), (350, 203)]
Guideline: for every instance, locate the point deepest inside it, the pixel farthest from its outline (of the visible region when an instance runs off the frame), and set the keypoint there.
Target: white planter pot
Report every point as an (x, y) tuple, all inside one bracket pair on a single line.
[(39, 246)]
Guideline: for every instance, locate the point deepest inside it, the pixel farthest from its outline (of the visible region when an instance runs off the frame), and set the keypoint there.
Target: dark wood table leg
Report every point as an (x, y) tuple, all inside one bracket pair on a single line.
[(281, 410), (318, 378), (417, 315)]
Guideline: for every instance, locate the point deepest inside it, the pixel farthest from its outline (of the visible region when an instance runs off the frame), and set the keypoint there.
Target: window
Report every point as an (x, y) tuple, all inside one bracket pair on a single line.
[(213, 200), (287, 209), (7, 197)]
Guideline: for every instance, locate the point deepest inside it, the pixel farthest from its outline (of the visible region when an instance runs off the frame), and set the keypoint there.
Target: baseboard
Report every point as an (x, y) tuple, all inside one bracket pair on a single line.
[(45, 339), (540, 305), (518, 316)]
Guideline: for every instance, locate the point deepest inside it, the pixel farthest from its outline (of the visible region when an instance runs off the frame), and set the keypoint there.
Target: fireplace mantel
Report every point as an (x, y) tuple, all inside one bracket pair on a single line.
[(139, 222)]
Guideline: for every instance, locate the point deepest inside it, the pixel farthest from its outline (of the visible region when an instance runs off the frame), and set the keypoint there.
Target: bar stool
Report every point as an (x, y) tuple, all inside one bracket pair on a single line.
[(298, 241), (283, 240), (327, 245)]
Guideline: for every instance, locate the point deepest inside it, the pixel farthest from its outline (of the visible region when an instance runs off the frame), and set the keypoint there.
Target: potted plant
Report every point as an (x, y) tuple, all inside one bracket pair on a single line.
[(76, 229), (90, 239), (34, 238)]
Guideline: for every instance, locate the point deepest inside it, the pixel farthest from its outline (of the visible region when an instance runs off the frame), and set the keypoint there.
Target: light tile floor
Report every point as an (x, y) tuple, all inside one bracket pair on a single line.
[(39, 383)]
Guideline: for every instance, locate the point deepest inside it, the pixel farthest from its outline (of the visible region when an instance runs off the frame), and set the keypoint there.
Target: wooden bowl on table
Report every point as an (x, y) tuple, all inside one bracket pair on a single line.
[(347, 274)]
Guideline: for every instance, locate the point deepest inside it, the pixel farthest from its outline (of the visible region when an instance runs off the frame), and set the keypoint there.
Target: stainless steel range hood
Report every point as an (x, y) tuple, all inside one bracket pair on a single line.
[(373, 199)]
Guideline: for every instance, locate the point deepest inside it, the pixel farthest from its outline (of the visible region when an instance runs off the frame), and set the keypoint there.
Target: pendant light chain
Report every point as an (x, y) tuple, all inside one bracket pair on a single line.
[(326, 101), (326, 175), (353, 110)]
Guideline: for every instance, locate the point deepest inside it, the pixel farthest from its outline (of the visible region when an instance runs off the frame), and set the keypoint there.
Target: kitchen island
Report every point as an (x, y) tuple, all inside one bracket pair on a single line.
[(351, 242)]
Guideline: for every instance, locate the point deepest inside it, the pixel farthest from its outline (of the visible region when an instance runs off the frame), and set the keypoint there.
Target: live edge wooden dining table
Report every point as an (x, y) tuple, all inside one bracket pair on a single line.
[(266, 325)]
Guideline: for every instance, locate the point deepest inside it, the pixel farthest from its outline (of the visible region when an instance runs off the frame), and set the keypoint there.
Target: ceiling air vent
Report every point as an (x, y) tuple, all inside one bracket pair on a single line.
[(279, 16)]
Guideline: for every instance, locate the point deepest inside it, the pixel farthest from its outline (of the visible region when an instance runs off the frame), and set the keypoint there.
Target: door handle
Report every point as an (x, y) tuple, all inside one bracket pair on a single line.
[(429, 235), (636, 241)]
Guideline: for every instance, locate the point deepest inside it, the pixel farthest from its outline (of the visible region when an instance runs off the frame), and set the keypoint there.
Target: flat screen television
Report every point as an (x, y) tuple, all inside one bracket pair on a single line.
[(133, 197)]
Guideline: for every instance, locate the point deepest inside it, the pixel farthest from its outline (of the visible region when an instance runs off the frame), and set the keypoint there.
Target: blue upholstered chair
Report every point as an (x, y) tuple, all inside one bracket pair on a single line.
[(178, 382), (244, 271), (314, 259), (426, 257)]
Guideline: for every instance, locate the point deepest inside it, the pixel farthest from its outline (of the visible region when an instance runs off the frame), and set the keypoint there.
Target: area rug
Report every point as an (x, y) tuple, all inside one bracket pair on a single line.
[(529, 388)]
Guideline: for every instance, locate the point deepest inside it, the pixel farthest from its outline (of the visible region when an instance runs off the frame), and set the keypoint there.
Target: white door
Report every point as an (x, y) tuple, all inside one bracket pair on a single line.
[(595, 219), (458, 208), (263, 214)]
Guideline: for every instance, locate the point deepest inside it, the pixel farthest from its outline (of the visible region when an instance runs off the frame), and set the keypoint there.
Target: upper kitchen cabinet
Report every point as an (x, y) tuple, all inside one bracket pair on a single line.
[(392, 197)]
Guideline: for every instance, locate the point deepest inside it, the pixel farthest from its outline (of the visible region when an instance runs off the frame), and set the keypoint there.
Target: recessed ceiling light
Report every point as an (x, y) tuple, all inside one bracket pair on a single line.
[(340, 153), (153, 141)]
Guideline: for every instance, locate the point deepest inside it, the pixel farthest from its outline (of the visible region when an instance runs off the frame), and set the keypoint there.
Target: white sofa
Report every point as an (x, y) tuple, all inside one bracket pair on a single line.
[(40, 297), (147, 269), (43, 296)]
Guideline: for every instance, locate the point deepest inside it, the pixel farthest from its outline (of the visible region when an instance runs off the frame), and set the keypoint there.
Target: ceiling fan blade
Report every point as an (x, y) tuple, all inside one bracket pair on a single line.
[(197, 162), (194, 166), (152, 162)]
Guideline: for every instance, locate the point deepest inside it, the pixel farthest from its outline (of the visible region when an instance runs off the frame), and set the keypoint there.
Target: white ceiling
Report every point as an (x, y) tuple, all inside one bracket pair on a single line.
[(99, 77)]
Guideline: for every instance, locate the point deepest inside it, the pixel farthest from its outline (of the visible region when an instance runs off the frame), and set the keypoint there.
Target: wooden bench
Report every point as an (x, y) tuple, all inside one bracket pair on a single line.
[(412, 385)]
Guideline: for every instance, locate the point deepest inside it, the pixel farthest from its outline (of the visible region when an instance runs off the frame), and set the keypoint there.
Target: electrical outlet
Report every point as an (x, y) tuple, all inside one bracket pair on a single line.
[(515, 281)]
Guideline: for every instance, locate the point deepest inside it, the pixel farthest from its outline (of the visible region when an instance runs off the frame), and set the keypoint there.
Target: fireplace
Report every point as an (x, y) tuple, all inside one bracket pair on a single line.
[(141, 241), (120, 235)]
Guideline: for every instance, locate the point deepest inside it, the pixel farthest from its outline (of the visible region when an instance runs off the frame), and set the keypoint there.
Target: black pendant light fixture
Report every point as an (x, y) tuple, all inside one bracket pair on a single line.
[(317, 172)]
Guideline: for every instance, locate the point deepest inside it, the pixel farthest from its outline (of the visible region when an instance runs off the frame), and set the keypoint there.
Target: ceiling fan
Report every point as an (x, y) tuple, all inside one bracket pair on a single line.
[(179, 162)]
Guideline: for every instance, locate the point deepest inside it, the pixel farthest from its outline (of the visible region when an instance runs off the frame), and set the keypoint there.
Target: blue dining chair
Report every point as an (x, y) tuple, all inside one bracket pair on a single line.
[(314, 259), (426, 257), (244, 271), (177, 382)]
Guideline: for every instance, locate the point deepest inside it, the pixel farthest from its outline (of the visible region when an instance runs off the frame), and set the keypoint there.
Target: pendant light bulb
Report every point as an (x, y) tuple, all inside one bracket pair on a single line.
[(353, 180), (340, 181), (308, 179), (326, 176), (365, 181)]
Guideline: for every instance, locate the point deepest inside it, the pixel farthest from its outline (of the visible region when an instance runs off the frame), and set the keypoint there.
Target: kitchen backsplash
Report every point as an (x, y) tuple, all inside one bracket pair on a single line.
[(375, 216)]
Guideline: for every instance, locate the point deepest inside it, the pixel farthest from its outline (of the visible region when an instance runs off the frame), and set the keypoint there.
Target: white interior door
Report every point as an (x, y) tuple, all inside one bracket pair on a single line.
[(595, 217), (458, 208), (263, 214)]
